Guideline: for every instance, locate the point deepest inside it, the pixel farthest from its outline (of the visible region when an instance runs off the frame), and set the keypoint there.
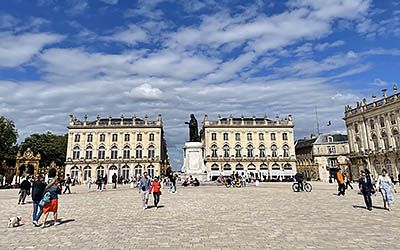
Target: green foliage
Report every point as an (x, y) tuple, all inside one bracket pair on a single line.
[(8, 140), (50, 146)]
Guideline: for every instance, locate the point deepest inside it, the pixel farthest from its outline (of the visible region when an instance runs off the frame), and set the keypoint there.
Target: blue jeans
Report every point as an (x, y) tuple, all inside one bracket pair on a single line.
[(37, 211)]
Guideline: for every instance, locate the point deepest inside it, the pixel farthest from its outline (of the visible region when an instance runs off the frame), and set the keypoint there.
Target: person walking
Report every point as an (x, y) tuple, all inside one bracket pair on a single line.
[(24, 190), (105, 180), (38, 187), (89, 183), (68, 183), (54, 189), (144, 188), (156, 189), (99, 183), (114, 180), (366, 186), (386, 185), (340, 181), (348, 179)]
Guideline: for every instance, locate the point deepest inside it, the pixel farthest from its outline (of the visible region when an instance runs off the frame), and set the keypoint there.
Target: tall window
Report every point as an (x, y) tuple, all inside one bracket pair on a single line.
[(89, 152), (114, 152), (87, 172), (115, 137), (213, 151), (375, 141), (139, 152), (238, 151), (392, 119), (237, 136), (127, 152), (226, 136), (226, 151), (284, 137), (359, 145), (249, 136), (139, 137), (372, 124), (102, 137), (396, 137), (331, 149), (356, 127), (273, 136), (388, 166), (385, 141), (274, 151), (77, 137), (261, 136), (382, 122), (250, 150), (90, 138), (102, 152), (127, 137), (100, 171), (150, 171), (213, 136), (151, 137), (286, 151), (262, 151), (125, 172), (151, 152), (76, 153)]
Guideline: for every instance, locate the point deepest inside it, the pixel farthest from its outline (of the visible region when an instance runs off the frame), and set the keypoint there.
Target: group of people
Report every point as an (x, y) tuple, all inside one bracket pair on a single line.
[(189, 181)]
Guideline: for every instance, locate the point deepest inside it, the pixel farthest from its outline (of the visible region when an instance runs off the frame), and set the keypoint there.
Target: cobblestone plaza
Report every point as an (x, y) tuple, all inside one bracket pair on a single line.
[(269, 216)]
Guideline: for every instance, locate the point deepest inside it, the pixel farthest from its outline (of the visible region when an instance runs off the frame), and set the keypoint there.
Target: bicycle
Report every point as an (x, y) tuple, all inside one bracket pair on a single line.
[(306, 187)]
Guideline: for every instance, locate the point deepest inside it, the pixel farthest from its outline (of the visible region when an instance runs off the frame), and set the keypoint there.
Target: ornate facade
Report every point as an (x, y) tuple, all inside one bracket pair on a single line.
[(27, 164), (319, 158), (258, 146), (373, 130), (125, 146)]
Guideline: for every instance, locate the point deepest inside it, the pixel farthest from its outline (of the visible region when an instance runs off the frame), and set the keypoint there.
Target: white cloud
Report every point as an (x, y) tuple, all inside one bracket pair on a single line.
[(131, 36), (18, 49), (324, 46), (145, 92), (112, 2)]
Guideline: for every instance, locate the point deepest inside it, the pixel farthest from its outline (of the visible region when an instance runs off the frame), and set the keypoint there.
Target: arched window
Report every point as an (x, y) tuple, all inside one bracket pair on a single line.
[(139, 152), (251, 167), (263, 166), (388, 166), (138, 170), (76, 153), (284, 136), (151, 152), (100, 171), (89, 138), (214, 151), (226, 151), (262, 151), (102, 152), (74, 172), (385, 141), (392, 119), (127, 152), (287, 166), (102, 138), (77, 137), (150, 171), (250, 150), (376, 142), (274, 151), (396, 138), (214, 167), (87, 172), (286, 151), (238, 151), (378, 166), (89, 152), (227, 167), (125, 172), (276, 167), (239, 167), (114, 152)]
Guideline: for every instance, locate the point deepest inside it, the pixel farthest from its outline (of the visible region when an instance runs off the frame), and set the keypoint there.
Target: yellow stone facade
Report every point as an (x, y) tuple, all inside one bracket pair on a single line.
[(259, 147), (125, 146), (373, 130)]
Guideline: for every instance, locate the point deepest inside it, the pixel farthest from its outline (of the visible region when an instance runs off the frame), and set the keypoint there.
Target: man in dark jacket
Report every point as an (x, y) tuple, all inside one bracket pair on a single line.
[(38, 187), (68, 183), (114, 180), (366, 186), (24, 191)]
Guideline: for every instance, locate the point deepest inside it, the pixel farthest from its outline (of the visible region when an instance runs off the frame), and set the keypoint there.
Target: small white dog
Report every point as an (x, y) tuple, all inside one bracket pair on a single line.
[(14, 221)]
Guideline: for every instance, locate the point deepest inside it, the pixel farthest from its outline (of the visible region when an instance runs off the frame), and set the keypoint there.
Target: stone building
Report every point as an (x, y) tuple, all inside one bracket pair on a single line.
[(258, 146), (373, 130), (320, 157), (125, 146)]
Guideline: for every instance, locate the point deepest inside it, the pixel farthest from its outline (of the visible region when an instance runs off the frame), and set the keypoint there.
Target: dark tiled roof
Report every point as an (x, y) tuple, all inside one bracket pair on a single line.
[(305, 143)]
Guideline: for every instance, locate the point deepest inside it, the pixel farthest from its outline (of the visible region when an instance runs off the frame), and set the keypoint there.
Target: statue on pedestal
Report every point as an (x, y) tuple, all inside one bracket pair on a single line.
[(193, 129)]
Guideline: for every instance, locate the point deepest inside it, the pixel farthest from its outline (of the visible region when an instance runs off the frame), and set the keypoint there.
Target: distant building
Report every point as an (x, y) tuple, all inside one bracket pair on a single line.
[(373, 130), (124, 146), (320, 157), (260, 147)]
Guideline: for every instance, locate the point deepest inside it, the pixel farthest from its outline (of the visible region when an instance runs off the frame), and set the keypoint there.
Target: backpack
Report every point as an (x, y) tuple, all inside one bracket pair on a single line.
[(45, 199)]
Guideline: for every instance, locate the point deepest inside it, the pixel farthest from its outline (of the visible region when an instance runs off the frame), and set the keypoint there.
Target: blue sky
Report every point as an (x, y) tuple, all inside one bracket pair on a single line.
[(112, 57)]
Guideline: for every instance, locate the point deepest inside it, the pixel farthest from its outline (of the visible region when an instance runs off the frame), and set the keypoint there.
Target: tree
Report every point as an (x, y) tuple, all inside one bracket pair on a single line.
[(50, 146), (8, 140)]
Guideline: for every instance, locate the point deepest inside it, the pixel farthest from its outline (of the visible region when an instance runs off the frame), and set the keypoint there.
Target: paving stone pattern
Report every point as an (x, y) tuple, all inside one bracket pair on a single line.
[(270, 216)]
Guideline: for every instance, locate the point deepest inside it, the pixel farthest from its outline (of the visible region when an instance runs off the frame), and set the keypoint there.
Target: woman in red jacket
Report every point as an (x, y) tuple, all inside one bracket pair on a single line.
[(156, 189)]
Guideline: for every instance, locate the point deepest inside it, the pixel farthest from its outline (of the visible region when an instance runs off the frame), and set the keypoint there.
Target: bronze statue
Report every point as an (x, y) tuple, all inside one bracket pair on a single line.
[(193, 129)]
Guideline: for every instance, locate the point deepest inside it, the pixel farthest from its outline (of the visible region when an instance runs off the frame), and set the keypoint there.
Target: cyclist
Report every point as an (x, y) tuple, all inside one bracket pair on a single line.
[(299, 177)]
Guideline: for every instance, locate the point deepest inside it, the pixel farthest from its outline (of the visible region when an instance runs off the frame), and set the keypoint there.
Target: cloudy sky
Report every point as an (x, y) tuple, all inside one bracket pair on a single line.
[(112, 57)]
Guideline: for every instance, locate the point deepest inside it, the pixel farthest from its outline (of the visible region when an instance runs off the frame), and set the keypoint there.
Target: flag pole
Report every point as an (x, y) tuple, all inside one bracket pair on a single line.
[(316, 116)]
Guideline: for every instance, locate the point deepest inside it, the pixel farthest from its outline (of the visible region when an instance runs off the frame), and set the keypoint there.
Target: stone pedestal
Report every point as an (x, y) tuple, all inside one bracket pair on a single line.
[(193, 162)]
